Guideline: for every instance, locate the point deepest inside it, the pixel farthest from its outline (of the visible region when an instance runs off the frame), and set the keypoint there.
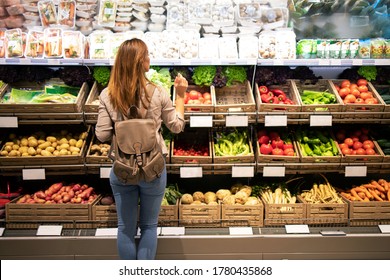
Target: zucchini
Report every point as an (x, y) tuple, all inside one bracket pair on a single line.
[(386, 151), (383, 143)]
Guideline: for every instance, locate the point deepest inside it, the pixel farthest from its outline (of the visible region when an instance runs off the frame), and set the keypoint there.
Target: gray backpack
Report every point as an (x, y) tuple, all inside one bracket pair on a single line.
[(138, 156)]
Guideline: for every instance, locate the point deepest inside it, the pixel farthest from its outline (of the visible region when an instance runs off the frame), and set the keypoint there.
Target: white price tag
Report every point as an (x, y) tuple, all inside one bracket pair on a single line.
[(172, 231), (49, 230), (384, 228), (139, 231), (243, 171), (240, 231), (106, 232), (274, 171), (236, 121), (201, 121), (8, 121), (355, 171), (191, 172), (297, 229), (105, 172), (1, 231), (34, 174), (332, 233), (275, 120), (320, 120)]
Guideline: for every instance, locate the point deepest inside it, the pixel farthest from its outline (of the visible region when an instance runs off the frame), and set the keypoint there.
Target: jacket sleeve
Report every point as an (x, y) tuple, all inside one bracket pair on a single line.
[(173, 120), (104, 126)]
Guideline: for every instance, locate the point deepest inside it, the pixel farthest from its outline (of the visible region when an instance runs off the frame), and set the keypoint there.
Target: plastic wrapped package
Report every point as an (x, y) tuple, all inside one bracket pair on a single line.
[(35, 44), (272, 18), (72, 44), (208, 48), (2, 43), (53, 43), (67, 13), (189, 44), (107, 13), (116, 40), (227, 47), (171, 44), (14, 43), (285, 44), (223, 14), (99, 44), (249, 14), (47, 13), (177, 15), (248, 47), (267, 44), (154, 41), (199, 12)]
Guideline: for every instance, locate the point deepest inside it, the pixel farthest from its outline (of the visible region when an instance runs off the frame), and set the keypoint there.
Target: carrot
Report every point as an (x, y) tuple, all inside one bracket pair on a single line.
[(375, 195), (346, 195), (354, 194), (377, 186), (366, 199), (364, 189), (388, 195), (384, 184), (362, 195)]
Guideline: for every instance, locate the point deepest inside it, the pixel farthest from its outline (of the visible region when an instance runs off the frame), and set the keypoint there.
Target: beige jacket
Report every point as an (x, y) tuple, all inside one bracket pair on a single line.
[(161, 110)]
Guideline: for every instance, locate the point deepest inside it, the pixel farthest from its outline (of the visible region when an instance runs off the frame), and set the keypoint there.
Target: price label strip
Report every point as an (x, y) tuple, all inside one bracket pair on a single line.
[(240, 231), (355, 171), (384, 228), (297, 229), (9, 122), (191, 172), (320, 120), (332, 233), (105, 172), (172, 230), (270, 121), (34, 174), (106, 232), (201, 121), (236, 121), (243, 171), (49, 230), (274, 171)]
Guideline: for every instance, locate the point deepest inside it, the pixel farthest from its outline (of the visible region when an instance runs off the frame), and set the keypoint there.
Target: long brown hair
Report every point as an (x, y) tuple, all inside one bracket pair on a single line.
[(127, 79)]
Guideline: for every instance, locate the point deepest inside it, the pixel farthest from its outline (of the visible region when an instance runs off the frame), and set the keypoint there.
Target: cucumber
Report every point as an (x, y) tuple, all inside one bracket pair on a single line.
[(383, 143), (386, 151)]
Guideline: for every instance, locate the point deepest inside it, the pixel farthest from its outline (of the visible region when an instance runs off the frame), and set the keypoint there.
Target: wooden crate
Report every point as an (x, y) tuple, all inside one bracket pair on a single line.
[(20, 215), (91, 107), (325, 213), (321, 85), (235, 99), (218, 160), (288, 88), (169, 215), (368, 213), (198, 108), (284, 214), (242, 215), (192, 137), (199, 215), (49, 160), (362, 108), (50, 110), (92, 159)]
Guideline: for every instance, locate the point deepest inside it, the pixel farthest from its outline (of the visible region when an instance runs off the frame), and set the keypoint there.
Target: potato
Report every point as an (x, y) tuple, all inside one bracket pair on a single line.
[(50, 149), (74, 153), (64, 146), (23, 149), (74, 149), (24, 142), (41, 141), (51, 139), (79, 143), (13, 153), (44, 145), (8, 148), (63, 152), (38, 151), (46, 153), (4, 153), (83, 135), (31, 151), (9, 143), (72, 142), (31, 138), (63, 141), (26, 155), (15, 147), (32, 142), (56, 153), (54, 144)]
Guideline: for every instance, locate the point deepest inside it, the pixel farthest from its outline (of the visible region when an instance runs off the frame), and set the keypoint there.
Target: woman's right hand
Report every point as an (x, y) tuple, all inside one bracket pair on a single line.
[(181, 85)]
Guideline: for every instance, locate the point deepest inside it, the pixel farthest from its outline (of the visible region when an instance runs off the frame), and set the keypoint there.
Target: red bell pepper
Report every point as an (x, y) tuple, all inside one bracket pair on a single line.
[(263, 89), (267, 97)]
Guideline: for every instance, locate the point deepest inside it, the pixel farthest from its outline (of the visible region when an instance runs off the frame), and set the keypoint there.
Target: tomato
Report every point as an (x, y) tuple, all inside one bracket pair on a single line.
[(264, 139), (350, 98), (362, 82), (207, 96), (207, 101), (360, 101), (277, 143), (277, 152), (366, 95), (288, 146), (273, 135), (345, 83), (289, 152), (368, 144), (370, 152), (266, 149), (371, 100), (363, 88), (353, 86), (357, 145), (355, 139), (344, 92), (346, 151), (343, 146), (348, 141), (193, 94), (356, 92), (360, 151)]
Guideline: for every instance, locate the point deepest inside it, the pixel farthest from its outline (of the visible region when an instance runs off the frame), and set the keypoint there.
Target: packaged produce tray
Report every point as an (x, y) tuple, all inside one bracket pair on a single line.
[(97, 152), (49, 110), (322, 86), (70, 215), (199, 215), (91, 106), (193, 105), (368, 213), (45, 132), (235, 99), (362, 108), (284, 214), (290, 92), (243, 215), (270, 158), (325, 213), (231, 159), (189, 142)]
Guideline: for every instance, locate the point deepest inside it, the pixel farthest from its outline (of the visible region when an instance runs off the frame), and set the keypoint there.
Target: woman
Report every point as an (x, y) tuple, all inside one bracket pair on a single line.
[(128, 86)]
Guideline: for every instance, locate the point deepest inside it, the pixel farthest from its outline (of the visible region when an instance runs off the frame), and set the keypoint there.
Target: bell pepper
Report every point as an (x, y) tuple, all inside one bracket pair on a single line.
[(263, 89), (267, 97)]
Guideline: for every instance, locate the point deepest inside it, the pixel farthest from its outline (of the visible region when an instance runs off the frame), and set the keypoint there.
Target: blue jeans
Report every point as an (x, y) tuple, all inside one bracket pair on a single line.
[(149, 196)]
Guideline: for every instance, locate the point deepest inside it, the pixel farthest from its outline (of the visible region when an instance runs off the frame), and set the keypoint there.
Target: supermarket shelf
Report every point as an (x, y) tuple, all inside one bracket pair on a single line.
[(183, 62)]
